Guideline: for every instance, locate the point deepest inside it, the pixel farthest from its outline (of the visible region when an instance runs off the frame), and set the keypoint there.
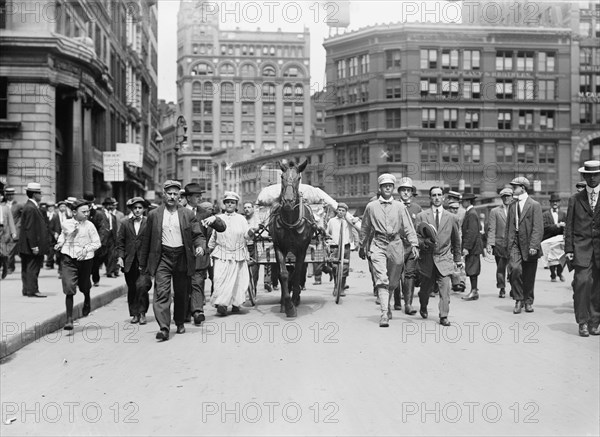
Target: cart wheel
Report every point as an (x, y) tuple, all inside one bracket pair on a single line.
[(252, 291), (339, 287)]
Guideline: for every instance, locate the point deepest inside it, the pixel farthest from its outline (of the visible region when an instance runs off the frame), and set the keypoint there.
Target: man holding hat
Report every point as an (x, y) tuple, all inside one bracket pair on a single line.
[(582, 248), (407, 191), (523, 236), (495, 238), (129, 246), (77, 242), (385, 222), (169, 247), (472, 245), (33, 240), (554, 224)]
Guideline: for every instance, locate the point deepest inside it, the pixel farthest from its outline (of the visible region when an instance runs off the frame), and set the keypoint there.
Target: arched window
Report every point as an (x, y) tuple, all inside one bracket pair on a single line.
[(227, 91), (208, 90), (227, 70), (249, 91), (293, 72), (247, 70), (269, 71), (299, 91), (197, 87), (287, 90), (202, 69)]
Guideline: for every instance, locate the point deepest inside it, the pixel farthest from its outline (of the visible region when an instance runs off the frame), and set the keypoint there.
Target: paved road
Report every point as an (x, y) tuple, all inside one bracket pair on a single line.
[(330, 371)]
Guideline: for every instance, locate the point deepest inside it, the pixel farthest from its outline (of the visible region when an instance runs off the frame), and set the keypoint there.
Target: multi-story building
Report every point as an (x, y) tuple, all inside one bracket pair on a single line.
[(242, 93), (76, 78), (167, 129), (466, 107)]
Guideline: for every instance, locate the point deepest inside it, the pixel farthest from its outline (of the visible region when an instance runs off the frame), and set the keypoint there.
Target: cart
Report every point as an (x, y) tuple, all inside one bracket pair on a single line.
[(320, 250)]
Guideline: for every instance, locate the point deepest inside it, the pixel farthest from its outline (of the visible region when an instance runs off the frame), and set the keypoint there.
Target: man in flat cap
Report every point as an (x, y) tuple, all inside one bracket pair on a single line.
[(385, 222), (523, 236), (554, 224), (336, 225), (582, 248), (472, 246), (169, 249), (495, 238), (33, 240)]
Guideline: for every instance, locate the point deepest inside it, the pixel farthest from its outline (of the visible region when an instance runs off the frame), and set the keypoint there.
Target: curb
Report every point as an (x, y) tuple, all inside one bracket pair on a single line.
[(55, 323)]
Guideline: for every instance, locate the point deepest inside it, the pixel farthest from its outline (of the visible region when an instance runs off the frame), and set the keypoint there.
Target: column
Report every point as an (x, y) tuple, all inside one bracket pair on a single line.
[(88, 156), (77, 162)]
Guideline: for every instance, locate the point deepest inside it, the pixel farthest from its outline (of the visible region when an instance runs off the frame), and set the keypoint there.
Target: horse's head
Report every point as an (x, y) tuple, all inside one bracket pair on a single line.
[(290, 183)]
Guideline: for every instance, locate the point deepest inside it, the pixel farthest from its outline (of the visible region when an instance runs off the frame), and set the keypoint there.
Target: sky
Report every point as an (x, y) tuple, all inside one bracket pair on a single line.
[(292, 16)]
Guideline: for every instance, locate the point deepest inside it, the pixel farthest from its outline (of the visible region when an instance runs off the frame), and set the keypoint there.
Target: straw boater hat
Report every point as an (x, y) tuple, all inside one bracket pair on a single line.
[(33, 187), (590, 167)]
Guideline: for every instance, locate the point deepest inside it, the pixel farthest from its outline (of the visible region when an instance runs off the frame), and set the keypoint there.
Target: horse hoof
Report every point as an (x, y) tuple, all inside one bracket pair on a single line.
[(296, 301), (282, 309)]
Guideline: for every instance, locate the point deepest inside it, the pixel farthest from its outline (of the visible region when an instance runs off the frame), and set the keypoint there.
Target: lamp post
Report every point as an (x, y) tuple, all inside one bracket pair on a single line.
[(180, 140)]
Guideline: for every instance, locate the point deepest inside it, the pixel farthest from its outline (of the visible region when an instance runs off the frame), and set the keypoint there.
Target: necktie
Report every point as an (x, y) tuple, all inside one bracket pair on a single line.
[(593, 199), (518, 214), (437, 220)]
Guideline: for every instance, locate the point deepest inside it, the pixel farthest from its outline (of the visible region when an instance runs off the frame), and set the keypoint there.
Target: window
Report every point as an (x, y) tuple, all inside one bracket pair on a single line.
[(208, 106), (450, 87), (227, 91), (268, 145), (353, 155), (392, 118), (504, 61), (364, 155), (268, 127), (208, 126), (299, 90), (226, 127), (504, 153), (364, 91), (351, 123), (196, 107), (393, 151), (392, 59), (248, 145), (450, 118), (504, 119), (547, 120), (504, 89), (352, 94), (340, 157), (392, 89), (428, 87), (298, 110), (268, 91), (208, 144), (472, 119), (340, 96), (288, 128), (197, 88), (546, 90), (202, 69), (268, 71), (287, 91), (430, 152), (471, 59), (526, 119), (247, 127), (340, 184), (545, 62), (320, 115), (585, 83), (525, 153), (364, 64), (339, 124), (352, 67), (208, 90), (288, 109), (292, 72), (249, 92), (546, 154), (364, 121), (227, 108), (525, 89), (248, 108), (196, 126), (471, 89), (268, 108), (341, 69), (226, 144), (524, 61), (428, 59), (585, 56), (585, 113), (227, 70), (450, 152), (3, 95), (428, 118), (197, 145), (449, 59)]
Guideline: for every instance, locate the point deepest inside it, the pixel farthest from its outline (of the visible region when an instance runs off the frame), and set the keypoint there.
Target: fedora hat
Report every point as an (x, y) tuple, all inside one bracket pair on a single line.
[(554, 197), (590, 167), (109, 201), (193, 188), (468, 196), (33, 187)]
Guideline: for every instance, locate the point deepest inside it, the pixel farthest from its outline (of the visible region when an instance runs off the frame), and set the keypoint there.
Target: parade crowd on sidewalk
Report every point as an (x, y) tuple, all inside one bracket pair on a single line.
[(176, 246)]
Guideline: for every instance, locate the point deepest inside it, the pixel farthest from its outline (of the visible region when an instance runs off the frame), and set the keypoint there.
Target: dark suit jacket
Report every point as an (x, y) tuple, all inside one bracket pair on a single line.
[(34, 230), (531, 228), (550, 228), (99, 219), (582, 230), (471, 237), (447, 249), (191, 234), (203, 261), (129, 244)]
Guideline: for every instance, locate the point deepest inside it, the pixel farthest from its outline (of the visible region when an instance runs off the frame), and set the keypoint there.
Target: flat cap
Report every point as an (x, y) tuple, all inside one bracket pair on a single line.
[(342, 205), (171, 183), (78, 203), (523, 181), (386, 178), (506, 192), (231, 195), (135, 200)]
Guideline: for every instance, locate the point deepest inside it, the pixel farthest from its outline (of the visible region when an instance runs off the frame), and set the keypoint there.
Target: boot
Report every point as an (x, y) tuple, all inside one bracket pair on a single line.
[(408, 291), (69, 308), (473, 295), (86, 305), (397, 299)]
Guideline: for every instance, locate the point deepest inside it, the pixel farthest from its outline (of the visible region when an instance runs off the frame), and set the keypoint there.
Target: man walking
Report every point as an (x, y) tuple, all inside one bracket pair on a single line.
[(554, 224), (495, 239), (336, 225), (472, 246), (17, 211), (111, 260), (8, 233), (582, 248), (440, 252), (523, 236), (384, 223), (169, 247), (100, 221), (33, 240)]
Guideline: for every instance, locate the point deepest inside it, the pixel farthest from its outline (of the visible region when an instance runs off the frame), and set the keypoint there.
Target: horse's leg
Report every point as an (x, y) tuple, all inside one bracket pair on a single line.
[(286, 301), (298, 276)]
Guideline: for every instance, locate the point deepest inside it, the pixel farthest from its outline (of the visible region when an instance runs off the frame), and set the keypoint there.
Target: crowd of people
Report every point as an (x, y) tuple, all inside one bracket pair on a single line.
[(185, 240)]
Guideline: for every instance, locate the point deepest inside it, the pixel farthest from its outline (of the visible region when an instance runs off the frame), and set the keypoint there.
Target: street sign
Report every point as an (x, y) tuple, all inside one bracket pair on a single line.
[(113, 167), (132, 153)]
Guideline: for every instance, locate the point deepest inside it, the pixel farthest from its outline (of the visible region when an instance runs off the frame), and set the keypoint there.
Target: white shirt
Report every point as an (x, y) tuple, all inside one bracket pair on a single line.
[(109, 217), (333, 228), (596, 191), (554, 216), (85, 240), (440, 209), (171, 230)]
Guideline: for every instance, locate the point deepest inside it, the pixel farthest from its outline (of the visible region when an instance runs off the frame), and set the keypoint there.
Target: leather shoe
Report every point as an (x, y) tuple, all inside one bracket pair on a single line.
[(444, 321), (96, 284), (583, 330), (162, 335), (38, 294), (528, 308), (222, 310), (562, 278), (69, 324), (346, 287), (384, 321), (198, 318), (502, 293), (180, 329), (408, 309), (552, 279), (595, 331), (135, 319), (235, 310), (398, 307), (268, 288), (518, 306), (423, 312), (142, 319), (85, 311), (473, 295)]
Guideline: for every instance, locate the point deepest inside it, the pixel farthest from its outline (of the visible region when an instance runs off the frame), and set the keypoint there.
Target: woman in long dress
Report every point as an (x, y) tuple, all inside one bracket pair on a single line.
[(230, 254)]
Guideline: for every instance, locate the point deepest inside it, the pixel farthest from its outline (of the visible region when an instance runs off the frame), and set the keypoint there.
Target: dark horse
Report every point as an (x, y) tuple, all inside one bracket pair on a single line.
[(291, 227)]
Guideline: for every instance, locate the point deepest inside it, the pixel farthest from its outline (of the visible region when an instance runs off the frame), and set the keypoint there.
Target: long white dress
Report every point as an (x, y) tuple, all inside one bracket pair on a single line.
[(230, 254)]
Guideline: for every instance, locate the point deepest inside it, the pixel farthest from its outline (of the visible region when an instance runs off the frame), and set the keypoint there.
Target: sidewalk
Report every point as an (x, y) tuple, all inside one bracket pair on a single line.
[(24, 320)]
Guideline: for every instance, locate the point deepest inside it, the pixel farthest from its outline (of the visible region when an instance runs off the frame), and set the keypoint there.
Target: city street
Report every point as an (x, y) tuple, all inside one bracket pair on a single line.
[(330, 371)]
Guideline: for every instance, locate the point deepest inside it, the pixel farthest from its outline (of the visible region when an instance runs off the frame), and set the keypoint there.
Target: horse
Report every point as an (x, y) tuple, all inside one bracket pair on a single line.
[(291, 227)]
